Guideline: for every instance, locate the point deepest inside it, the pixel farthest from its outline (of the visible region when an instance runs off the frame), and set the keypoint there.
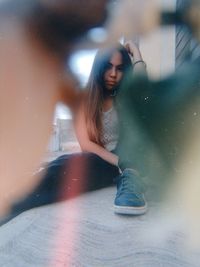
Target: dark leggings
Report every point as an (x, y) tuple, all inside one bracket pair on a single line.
[(69, 176)]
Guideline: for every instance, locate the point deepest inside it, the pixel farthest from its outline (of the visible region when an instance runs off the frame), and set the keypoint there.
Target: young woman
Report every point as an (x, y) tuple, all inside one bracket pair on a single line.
[(97, 123), (97, 128)]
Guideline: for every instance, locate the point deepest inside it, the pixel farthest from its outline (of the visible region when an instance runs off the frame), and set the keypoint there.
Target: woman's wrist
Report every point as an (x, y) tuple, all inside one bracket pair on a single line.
[(141, 61)]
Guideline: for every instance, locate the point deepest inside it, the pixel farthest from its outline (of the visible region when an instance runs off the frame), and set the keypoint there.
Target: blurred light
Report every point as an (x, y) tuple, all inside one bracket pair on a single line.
[(62, 112), (97, 35), (81, 64)]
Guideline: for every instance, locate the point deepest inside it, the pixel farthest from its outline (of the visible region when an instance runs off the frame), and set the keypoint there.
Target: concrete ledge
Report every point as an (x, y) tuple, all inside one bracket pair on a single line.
[(84, 232)]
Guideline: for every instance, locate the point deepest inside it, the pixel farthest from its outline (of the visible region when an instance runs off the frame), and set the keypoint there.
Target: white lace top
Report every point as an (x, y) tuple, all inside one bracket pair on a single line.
[(110, 129)]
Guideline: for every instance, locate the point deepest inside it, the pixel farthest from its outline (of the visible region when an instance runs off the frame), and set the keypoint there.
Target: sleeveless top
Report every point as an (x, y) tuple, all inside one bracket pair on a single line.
[(110, 129)]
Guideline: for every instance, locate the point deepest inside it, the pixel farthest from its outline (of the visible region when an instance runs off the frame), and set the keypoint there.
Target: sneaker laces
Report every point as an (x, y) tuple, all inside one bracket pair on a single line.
[(128, 182)]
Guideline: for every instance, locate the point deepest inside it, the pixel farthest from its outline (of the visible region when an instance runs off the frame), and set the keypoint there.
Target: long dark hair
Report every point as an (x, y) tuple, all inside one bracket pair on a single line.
[(95, 95)]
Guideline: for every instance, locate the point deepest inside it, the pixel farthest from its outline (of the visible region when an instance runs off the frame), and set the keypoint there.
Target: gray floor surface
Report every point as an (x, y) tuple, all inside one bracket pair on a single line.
[(85, 232)]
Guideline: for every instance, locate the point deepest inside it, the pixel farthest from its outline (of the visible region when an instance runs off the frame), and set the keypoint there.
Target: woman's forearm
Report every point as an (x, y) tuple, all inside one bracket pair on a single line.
[(101, 152), (139, 66)]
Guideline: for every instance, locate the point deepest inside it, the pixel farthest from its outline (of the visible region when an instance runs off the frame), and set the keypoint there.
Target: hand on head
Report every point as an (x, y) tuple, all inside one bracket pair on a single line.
[(131, 47)]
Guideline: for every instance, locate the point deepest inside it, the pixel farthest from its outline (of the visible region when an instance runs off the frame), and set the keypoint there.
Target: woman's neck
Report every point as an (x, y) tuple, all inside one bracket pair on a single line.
[(108, 103)]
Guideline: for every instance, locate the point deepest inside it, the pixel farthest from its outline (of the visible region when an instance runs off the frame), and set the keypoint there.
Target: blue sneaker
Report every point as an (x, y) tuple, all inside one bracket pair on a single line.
[(130, 194)]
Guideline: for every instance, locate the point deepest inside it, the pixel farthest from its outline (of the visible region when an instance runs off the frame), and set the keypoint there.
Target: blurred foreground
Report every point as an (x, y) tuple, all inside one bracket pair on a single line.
[(160, 118)]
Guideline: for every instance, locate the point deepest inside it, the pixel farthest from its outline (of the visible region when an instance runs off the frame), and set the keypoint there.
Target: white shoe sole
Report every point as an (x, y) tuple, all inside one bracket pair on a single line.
[(130, 210)]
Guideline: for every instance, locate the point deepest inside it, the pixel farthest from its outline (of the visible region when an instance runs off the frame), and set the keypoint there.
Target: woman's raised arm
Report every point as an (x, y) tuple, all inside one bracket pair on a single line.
[(139, 66)]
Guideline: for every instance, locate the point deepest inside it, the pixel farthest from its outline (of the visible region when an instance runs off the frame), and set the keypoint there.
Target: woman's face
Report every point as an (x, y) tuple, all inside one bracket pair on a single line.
[(114, 71)]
